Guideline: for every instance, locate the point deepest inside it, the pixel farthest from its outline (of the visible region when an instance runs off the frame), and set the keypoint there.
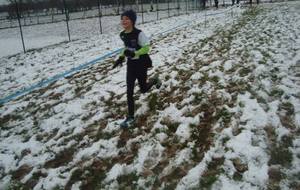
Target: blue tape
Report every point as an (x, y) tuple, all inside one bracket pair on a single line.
[(83, 66), (57, 77)]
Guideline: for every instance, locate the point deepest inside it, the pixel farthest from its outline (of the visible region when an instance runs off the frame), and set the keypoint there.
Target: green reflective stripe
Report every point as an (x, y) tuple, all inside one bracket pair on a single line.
[(122, 53), (144, 50)]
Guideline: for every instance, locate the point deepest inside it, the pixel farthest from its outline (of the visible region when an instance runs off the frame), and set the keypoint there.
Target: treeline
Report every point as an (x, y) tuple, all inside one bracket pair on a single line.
[(47, 6)]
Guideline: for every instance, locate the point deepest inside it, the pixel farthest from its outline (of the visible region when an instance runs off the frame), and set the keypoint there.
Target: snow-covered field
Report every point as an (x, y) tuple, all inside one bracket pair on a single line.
[(226, 117), (46, 62)]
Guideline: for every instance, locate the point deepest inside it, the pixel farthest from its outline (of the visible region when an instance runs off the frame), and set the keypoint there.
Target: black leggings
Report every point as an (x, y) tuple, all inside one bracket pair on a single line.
[(136, 71)]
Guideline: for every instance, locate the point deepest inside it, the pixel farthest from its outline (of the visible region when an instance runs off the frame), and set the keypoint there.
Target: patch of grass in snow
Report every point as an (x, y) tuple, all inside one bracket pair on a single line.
[(240, 168), (128, 181), (172, 179), (198, 98), (276, 92), (286, 114), (241, 104), (90, 175), (31, 183), (16, 185), (61, 158), (202, 135), (275, 176), (55, 96), (244, 71), (279, 151), (184, 75), (281, 155), (154, 103), (210, 176), (287, 107), (263, 61), (252, 12), (224, 114), (225, 140), (7, 118), (167, 77), (95, 131), (172, 126), (261, 100), (204, 78), (238, 87), (23, 170), (215, 79)]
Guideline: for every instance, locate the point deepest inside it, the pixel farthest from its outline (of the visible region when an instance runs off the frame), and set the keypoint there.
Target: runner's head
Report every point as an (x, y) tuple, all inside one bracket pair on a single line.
[(128, 19)]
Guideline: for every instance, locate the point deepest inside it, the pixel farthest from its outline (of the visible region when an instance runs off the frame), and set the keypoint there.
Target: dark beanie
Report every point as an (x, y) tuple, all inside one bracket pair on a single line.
[(130, 14)]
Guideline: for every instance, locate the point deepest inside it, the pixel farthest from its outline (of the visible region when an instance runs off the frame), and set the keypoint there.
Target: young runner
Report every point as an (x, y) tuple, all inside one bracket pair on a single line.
[(137, 46)]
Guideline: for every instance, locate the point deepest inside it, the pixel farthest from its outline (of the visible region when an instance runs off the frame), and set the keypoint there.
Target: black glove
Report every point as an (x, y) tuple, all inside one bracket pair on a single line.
[(118, 62), (129, 53)]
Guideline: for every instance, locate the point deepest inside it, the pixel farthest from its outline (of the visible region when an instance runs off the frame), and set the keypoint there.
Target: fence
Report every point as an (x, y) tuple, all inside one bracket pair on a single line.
[(63, 21), (53, 15)]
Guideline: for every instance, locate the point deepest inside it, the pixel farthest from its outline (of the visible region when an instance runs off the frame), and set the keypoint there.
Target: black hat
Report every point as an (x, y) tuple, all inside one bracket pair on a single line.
[(130, 14)]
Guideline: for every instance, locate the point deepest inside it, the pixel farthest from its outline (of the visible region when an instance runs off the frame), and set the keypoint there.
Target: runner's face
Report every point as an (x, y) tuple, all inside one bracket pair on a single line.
[(126, 22)]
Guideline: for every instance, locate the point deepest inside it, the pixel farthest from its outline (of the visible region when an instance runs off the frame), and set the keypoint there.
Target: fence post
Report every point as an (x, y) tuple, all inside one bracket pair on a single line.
[(142, 11), (157, 10), (205, 18), (178, 7), (18, 15), (168, 8), (52, 16), (67, 18), (186, 7), (100, 15), (38, 18)]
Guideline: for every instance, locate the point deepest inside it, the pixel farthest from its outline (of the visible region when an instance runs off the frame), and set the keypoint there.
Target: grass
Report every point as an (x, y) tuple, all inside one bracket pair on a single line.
[(153, 102), (288, 107), (61, 158), (275, 176), (280, 158), (224, 114), (198, 98), (276, 92), (281, 155), (17, 185), (215, 79), (172, 126), (244, 71), (128, 181), (210, 176), (237, 176), (10, 117)]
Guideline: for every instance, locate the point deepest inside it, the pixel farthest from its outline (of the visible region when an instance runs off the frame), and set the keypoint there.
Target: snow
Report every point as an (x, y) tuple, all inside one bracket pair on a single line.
[(115, 172), (242, 117), (148, 156), (252, 110)]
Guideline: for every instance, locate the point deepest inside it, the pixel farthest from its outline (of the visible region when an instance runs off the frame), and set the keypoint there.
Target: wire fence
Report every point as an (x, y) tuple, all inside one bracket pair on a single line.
[(24, 28), (52, 15), (63, 22)]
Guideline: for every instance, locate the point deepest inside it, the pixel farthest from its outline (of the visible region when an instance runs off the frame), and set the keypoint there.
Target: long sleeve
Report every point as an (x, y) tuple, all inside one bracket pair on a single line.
[(122, 53), (144, 50)]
